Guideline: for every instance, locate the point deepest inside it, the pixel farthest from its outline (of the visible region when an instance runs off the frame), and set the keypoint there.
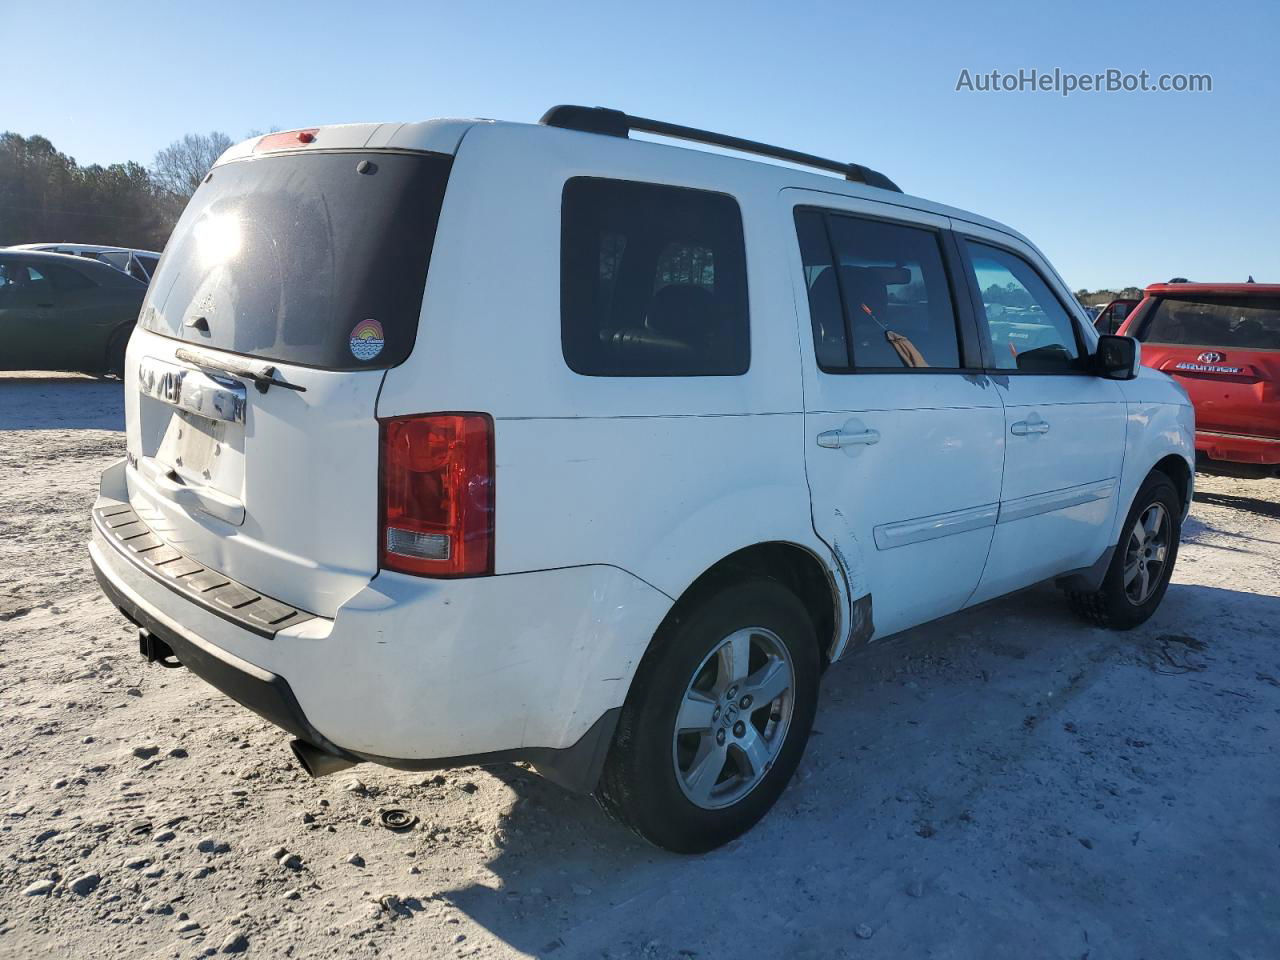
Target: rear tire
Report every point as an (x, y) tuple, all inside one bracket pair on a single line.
[(1138, 576), (113, 364), (738, 671)]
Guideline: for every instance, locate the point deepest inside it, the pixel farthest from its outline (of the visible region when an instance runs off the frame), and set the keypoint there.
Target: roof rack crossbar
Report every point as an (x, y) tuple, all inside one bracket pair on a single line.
[(615, 123)]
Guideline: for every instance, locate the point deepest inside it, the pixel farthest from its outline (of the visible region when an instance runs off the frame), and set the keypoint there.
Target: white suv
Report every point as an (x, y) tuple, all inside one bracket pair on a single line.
[(659, 435)]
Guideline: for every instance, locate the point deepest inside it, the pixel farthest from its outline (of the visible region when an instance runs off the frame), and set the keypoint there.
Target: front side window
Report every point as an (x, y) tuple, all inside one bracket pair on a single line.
[(653, 281), (878, 295), (1247, 323), (1029, 327), (23, 286), (19, 276)]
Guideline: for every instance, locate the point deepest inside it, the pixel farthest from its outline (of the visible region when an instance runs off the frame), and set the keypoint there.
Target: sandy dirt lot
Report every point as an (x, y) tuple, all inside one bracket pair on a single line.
[(1003, 783)]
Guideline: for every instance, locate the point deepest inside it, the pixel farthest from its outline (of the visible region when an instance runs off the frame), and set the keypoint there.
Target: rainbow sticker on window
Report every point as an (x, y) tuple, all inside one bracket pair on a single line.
[(367, 340)]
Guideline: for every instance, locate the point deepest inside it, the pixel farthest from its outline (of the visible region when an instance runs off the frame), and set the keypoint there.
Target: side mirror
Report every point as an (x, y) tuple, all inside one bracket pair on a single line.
[(1117, 358)]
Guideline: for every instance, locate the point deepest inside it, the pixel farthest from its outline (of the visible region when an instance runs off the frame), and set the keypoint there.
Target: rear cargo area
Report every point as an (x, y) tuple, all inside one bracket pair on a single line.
[(293, 280), (1225, 351)]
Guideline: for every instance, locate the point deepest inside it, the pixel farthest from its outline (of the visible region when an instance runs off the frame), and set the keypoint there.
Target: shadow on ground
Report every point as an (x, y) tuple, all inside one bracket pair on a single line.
[(1264, 508), (53, 401), (1004, 782)]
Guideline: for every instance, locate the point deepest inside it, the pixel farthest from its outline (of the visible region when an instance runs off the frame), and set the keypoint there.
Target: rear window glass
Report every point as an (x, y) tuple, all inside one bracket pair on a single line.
[(316, 259), (653, 281), (1251, 323)]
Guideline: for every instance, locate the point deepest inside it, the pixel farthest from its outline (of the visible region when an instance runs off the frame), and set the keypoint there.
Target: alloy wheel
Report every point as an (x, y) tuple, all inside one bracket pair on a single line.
[(733, 718), (1145, 554)]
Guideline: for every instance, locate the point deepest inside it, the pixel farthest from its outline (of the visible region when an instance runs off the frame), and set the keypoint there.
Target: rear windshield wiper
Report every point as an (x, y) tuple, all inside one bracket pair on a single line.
[(263, 377)]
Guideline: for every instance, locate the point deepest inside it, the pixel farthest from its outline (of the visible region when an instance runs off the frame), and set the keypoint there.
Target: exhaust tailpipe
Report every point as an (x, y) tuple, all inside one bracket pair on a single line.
[(317, 762)]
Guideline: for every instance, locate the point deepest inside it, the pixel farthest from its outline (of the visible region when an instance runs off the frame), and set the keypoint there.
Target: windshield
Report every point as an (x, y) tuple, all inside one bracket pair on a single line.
[(315, 259), (1251, 323)]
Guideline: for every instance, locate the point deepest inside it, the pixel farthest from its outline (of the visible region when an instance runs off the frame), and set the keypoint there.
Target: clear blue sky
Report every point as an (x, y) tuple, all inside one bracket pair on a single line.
[(1116, 188)]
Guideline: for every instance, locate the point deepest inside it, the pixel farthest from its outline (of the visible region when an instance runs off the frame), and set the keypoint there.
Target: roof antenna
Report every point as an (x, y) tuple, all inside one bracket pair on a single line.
[(1250, 280)]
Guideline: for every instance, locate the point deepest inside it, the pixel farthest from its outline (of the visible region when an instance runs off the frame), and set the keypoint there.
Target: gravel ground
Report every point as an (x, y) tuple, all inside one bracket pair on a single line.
[(1003, 783)]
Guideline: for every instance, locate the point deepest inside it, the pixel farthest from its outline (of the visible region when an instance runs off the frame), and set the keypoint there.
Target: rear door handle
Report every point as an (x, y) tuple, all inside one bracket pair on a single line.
[(835, 439), (1024, 427)]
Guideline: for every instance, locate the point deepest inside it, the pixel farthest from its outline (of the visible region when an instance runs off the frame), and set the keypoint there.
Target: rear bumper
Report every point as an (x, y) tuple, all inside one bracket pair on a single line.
[(1234, 448), (263, 692), (416, 673)]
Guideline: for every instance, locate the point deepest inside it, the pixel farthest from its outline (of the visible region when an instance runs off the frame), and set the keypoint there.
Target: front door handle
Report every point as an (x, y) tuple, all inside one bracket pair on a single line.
[(835, 439), (1024, 427)]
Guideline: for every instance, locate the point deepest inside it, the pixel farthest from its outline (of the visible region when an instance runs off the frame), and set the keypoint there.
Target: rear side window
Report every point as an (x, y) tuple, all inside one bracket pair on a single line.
[(1029, 327), (653, 281), (317, 259), (67, 279), (878, 295), (1248, 323)]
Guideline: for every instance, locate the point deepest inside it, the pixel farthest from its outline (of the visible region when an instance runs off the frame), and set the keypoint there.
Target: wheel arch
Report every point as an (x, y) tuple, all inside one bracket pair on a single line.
[(816, 583), (1176, 468), (124, 329), (1160, 436)]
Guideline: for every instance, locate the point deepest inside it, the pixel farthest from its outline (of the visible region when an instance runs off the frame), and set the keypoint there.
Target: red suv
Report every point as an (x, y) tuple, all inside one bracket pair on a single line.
[(1221, 341)]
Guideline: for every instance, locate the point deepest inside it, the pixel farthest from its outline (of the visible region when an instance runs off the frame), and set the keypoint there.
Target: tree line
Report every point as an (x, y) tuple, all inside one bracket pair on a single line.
[(45, 196), (1100, 298)]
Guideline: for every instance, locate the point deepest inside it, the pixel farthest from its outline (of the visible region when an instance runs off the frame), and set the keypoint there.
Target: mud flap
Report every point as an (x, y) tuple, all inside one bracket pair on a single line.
[(861, 625), (1087, 579)]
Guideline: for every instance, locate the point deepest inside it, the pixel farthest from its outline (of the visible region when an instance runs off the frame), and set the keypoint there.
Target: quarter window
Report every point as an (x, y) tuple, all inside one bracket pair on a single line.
[(653, 281), (1030, 329), (878, 295)]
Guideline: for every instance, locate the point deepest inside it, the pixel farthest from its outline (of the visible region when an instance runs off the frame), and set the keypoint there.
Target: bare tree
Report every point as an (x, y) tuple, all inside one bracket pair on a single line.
[(180, 167)]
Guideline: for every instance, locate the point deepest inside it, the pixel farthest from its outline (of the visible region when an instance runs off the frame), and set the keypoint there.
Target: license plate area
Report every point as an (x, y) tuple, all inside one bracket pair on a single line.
[(203, 453), (192, 433)]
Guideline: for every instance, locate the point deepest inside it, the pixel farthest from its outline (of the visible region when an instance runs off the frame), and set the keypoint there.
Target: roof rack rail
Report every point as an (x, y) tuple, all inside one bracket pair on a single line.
[(615, 123)]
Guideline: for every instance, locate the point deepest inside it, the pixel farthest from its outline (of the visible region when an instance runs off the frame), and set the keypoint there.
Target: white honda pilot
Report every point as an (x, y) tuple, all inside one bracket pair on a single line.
[(469, 442)]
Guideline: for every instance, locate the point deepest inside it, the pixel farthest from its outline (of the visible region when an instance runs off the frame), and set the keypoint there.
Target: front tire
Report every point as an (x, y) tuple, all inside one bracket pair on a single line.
[(717, 718), (1139, 573)]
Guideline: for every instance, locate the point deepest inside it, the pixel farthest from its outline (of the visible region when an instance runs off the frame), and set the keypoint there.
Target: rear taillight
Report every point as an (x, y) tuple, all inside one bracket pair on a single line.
[(437, 495)]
